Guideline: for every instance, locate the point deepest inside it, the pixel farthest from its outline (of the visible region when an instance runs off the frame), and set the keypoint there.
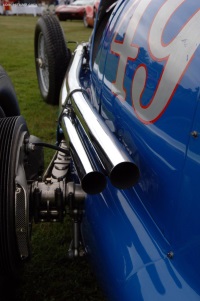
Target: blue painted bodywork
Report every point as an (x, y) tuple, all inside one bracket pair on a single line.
[(144, 241)]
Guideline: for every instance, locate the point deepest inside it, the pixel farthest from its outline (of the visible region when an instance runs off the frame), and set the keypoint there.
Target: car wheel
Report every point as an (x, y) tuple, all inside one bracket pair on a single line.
[(8, 99), (85, 20), (14, 217), (52, 57)]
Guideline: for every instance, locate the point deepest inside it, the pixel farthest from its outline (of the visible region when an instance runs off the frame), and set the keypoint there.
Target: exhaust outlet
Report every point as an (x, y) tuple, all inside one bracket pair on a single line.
[(92, 180), (117, 163)]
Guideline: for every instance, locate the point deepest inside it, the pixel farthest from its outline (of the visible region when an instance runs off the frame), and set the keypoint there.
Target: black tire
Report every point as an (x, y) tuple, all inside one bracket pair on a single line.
[(52, 57), (12, 132), (8, 100)]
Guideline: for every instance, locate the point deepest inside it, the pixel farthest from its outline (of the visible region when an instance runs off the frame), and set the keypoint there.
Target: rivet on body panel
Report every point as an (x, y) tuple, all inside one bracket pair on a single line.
[(170, 255), (195, 134)]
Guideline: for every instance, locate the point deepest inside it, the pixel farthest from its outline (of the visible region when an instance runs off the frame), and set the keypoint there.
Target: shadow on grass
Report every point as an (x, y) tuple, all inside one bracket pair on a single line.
[(51, 275)]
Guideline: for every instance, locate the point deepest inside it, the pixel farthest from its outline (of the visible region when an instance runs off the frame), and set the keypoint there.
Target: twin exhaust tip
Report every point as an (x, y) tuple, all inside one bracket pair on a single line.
[(122, 176)]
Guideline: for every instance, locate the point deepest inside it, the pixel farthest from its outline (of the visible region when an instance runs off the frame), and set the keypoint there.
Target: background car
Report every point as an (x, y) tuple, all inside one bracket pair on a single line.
[(73, 11), (90, 14)]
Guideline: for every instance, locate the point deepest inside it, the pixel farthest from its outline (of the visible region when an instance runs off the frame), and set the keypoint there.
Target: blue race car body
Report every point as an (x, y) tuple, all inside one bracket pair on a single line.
[(144, 82)]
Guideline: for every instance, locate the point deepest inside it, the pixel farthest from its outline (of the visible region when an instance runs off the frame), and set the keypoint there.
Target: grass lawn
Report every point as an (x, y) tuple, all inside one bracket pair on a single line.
[(50, 275)]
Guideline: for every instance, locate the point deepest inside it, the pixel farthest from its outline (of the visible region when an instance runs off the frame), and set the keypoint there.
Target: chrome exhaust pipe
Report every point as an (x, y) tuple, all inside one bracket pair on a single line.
[(92, 180), (117, 163)]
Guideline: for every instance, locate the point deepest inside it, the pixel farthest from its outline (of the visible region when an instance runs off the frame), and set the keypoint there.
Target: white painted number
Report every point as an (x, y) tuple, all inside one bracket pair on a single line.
[(176, 56)]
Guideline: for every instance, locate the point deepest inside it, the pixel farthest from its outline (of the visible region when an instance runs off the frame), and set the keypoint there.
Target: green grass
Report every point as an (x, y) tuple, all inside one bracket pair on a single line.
[(17, 57), (50, 275)]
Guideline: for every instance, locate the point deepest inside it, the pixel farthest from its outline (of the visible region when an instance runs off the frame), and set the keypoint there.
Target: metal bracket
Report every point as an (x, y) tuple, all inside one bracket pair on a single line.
[(76, 198)]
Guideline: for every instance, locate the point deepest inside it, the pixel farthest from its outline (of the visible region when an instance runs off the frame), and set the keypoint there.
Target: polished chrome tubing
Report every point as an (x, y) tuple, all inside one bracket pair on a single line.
[(120, 168), (92, 180)]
